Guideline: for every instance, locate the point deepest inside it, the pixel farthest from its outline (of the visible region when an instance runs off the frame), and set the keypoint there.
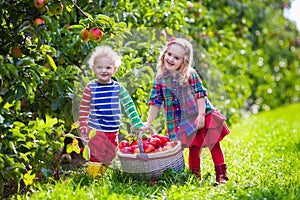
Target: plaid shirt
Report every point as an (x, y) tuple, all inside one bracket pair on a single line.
[(180, 106)]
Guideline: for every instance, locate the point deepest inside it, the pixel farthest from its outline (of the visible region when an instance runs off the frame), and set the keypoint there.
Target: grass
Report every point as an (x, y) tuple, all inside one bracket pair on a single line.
[(262, 154)]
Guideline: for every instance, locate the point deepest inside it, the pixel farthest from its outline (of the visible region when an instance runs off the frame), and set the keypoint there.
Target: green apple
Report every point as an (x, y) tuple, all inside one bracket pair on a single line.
[(66, 158)]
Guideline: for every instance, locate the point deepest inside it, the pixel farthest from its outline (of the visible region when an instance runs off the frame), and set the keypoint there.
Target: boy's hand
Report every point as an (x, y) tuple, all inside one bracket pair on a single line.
[(84, 132)]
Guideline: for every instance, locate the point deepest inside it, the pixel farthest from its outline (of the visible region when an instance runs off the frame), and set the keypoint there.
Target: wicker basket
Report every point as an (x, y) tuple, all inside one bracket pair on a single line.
[(151, 165)]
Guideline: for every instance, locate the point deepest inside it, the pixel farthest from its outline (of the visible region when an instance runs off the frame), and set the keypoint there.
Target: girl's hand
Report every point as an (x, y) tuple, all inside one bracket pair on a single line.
[(146, 127), (200, 121)]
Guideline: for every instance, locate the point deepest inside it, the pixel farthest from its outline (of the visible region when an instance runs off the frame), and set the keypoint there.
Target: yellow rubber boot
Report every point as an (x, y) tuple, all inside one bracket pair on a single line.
[(95, 169)]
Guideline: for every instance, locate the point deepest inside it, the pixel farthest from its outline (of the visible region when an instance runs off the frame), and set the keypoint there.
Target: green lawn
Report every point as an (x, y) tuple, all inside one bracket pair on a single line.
[(262, 154)]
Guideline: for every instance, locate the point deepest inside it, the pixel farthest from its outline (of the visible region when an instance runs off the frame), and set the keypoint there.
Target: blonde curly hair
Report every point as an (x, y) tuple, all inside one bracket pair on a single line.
[(104, 51), (187, 66)]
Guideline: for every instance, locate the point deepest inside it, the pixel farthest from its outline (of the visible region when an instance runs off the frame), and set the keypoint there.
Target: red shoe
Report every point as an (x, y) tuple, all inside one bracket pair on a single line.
[(221, 177), (197, 172)]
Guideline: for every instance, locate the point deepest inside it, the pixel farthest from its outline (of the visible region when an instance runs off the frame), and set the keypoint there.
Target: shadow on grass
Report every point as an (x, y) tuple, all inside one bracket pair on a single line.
[(298, 145)]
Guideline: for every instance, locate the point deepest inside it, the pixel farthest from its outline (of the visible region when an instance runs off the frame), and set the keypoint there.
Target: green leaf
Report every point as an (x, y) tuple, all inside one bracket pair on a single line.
[(46, 172), (76, 26), (51, 62), (28, 178), (92, 133), (73, 147), (104, 19), (86, 153), (13, 69), (28, 29)]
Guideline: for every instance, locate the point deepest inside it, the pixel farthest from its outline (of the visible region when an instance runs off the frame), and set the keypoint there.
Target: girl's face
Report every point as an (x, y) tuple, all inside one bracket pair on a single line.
[(104, 69), (173, 58)]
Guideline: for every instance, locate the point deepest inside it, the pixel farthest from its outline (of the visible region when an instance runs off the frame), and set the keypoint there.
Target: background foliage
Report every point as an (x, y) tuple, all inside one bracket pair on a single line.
[(251, 64)]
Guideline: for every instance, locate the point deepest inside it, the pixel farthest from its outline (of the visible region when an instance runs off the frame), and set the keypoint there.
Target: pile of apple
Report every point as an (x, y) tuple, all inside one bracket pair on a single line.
[(152, 144)]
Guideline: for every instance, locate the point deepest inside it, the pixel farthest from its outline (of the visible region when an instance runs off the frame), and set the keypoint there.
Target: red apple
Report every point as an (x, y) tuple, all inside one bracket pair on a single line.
[(37, 22), (16, 52), (145, 140), (136, 151), (38, 3), (126, 150), (95, 34), (148, 148), (133, 147), (123, 143), (84, 34), (136, 142), (167, 144), (155, 136), (155, 142), (159, 149), (164, 139)]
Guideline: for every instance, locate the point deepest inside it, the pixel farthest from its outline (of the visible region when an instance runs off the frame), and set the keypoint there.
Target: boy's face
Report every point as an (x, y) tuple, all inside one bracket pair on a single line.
[(104, 68), (173, 57)]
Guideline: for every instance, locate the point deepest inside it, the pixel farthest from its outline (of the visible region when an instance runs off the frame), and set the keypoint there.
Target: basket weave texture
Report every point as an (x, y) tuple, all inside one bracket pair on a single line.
[(152, 165)]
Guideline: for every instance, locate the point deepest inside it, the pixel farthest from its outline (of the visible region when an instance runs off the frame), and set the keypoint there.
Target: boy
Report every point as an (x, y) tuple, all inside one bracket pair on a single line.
[(100, 110)]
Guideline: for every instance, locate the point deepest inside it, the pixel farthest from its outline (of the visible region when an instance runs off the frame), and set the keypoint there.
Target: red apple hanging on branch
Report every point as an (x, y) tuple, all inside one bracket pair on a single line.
[(95, 34), (84, 35), (37, 22), (39, 3), (16, 52)]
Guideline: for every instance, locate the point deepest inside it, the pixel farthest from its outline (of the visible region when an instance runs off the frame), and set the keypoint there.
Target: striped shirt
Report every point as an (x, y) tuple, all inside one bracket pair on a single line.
[(101, 107)]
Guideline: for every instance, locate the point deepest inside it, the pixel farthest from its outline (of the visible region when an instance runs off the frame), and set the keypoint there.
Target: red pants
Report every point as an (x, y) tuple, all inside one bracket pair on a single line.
[(103, 147), (195, 151)]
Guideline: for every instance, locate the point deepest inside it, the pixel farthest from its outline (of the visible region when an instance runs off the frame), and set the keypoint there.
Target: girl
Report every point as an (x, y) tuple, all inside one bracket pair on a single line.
[(190, 116), (100, 110)]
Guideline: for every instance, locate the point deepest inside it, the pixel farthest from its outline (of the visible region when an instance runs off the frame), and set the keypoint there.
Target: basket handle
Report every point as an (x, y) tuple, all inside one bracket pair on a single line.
[(142, 155)]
